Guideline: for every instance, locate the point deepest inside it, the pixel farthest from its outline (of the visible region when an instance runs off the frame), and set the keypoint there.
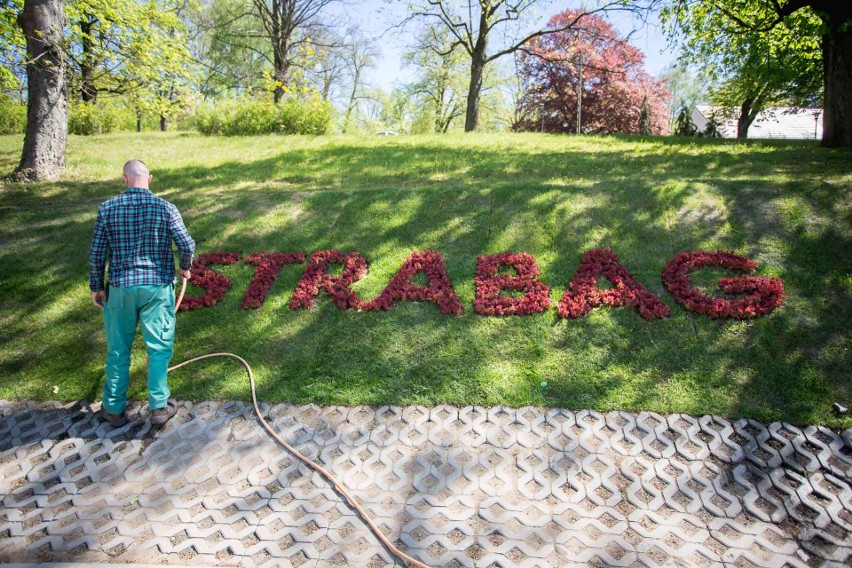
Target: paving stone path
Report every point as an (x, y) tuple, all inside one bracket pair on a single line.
[(453, 487)]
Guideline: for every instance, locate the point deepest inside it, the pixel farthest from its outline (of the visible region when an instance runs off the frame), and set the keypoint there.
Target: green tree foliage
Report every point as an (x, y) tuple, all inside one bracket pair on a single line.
[(683, 125), (440, 89), (490, 29), (772, 51), (127, 47), (751, 69), (229, 47), (12, 49), (287, 27), (687, 86)]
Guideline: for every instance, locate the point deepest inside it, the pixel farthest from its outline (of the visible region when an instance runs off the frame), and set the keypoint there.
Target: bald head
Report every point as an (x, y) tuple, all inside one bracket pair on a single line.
[(136, 174)]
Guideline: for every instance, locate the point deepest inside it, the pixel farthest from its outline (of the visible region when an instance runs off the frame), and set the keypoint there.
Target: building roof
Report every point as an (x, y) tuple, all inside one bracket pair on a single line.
[(774, 122)]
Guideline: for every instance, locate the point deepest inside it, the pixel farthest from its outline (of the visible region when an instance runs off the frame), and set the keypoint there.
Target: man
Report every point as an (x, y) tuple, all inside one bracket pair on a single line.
[(135, 231)]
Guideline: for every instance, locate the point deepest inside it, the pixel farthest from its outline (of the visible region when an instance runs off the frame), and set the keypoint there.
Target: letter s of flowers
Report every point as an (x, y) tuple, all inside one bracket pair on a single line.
[(214, 284), (316, 279), (489, 284), (759, 295), (582, 294)]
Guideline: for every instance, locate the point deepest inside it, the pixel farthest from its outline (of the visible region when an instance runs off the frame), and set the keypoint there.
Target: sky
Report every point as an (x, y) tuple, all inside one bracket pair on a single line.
[(379, 19)]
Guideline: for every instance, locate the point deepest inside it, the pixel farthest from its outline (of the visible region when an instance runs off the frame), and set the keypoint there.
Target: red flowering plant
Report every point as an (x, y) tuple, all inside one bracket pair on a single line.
[(269, 265), (759, 295), (317, 279), (583, 295), (214, 284), (439, 289), (489, 285)]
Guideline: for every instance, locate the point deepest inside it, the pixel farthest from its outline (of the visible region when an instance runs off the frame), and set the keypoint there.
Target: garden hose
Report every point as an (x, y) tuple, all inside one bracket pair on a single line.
[(309, 462)]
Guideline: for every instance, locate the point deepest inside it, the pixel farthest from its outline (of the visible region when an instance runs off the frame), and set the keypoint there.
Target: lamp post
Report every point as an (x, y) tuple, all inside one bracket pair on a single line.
[(580, 62)]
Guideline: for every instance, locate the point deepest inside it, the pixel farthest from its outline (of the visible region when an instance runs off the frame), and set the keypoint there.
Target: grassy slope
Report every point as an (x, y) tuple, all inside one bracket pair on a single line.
[(785, 205)]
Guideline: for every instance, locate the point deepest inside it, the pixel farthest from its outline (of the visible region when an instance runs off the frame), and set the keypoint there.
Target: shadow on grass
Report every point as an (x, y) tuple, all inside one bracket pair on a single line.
[(641, 199)]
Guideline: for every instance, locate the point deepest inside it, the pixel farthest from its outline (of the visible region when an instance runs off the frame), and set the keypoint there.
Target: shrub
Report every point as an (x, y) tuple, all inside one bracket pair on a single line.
[(13, 116), (246, 117), (99, 117)]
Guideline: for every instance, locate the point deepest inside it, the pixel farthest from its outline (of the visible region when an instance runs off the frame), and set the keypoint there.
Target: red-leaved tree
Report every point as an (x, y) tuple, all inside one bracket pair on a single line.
[(609, 70)]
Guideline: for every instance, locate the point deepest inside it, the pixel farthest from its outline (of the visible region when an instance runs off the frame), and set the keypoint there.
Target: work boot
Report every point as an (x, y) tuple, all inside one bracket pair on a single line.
[(117, 420), (160, 416)]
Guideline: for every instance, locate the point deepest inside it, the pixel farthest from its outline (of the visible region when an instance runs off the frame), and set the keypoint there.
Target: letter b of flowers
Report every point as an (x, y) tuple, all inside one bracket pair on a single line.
[(489, 285)]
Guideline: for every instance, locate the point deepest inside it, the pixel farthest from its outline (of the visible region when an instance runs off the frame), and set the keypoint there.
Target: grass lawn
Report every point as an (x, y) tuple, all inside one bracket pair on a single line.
[(788, 206)]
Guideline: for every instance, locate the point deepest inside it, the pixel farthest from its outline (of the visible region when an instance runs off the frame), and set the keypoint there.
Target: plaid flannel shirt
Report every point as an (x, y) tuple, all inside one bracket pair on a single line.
[(135, 231)]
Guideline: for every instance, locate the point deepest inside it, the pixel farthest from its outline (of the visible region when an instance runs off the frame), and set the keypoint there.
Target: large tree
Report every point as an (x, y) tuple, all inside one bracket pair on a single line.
[(440, 86), (287, 27), (229, 49), (713, 25), (158, 76), (111, 43), (589, 78), (687, 86), (43, 156), (360, 55), (477, 26)]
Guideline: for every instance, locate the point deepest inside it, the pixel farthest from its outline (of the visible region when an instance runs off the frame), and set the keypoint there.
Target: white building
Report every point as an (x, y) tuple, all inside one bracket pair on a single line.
[(774, 122)]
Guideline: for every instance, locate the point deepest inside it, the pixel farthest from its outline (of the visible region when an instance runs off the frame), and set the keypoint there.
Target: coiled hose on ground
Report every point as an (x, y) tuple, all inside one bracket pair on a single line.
[(309, 462)]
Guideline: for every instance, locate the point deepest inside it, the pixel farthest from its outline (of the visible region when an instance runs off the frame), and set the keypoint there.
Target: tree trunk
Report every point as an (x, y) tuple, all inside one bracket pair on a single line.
[(281, 79), (88, 92), (138, 121), (745, 119), (352, 100), (471, 118), (279, 51), (43, 156), (164, 123), (837, 73), (478, 59)]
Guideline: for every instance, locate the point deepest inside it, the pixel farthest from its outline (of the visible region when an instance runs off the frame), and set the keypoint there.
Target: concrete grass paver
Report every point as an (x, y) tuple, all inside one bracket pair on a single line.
[(451, 486)]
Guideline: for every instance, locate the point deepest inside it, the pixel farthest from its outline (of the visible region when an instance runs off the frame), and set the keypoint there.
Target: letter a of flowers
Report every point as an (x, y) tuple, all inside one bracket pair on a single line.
[(440, 289), (583, 295), (489, 284), (316, 279), (214, 284), (759, 295)]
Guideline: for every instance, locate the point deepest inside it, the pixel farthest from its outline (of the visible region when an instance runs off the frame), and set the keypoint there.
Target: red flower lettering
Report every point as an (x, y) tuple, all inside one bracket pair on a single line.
[(759, 295), (440, 289), (317, 279), (583, 295), (489, 284), (268, 266), (214, 284)]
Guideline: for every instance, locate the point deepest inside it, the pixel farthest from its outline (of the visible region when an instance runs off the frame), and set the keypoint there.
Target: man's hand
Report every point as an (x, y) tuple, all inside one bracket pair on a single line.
[(98, 298), (185, 274)]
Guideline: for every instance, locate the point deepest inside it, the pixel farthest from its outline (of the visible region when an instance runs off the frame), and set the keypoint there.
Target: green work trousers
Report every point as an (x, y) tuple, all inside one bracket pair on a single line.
[(126, 307)]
